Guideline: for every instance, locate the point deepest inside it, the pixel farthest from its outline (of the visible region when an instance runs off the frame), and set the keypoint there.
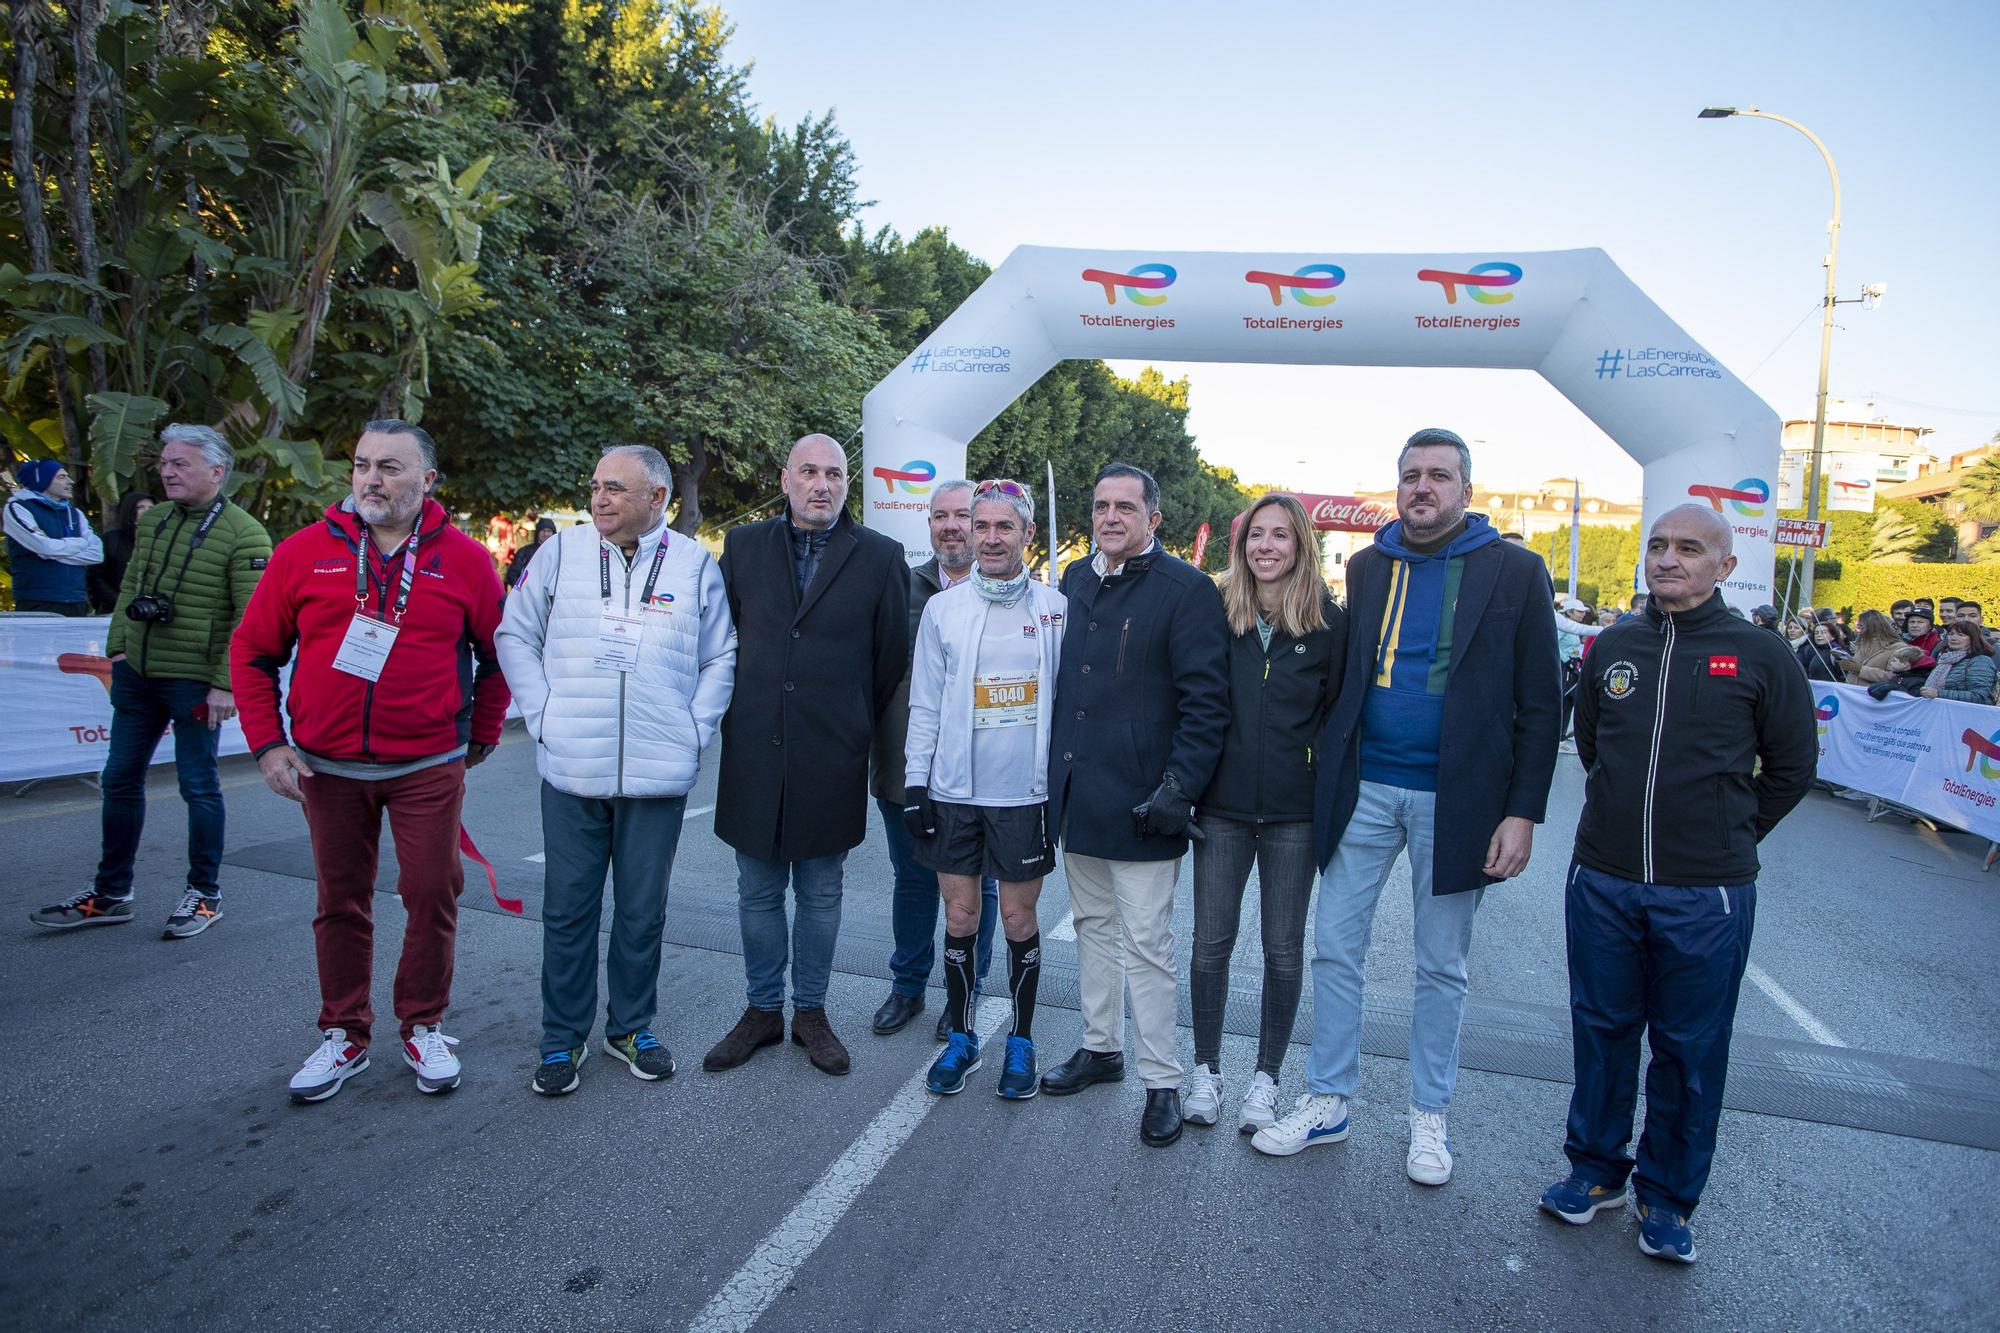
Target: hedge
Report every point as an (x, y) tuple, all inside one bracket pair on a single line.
[(1873, 587)]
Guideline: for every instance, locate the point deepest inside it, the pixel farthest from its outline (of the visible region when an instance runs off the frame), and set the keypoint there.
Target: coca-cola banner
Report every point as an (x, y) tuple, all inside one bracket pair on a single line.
[(1570, 315)]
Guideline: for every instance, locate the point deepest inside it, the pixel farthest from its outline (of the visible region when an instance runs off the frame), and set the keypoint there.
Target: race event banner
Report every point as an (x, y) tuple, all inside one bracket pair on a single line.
[(1933, 755), (57, 683)]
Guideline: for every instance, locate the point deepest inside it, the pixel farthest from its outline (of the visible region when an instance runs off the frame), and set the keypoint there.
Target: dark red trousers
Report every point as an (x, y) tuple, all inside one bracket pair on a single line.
[(345, 816)]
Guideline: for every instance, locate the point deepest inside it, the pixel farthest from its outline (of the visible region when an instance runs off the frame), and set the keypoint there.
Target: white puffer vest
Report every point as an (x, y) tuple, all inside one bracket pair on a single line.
[(604, 733)]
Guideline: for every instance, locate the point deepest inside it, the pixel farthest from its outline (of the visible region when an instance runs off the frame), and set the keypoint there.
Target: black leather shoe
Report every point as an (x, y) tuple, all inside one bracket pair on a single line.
[(896, 1013), (1161, 1124), (1083, 1069)]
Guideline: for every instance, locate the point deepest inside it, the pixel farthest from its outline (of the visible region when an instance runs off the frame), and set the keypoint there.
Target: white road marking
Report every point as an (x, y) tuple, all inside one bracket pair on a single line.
[(1801, 1015), (541, 858), (779, 1256), (1065, 929)]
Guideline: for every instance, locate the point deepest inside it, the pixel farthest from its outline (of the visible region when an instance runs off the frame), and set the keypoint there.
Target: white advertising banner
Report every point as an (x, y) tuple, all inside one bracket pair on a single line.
[(1850, 482), (1571, 315), (57, 684), (1933, 755), (1792, 481)]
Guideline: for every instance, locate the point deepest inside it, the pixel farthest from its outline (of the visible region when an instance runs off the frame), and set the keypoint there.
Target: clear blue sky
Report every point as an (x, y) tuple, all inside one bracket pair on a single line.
[(1322, 126)]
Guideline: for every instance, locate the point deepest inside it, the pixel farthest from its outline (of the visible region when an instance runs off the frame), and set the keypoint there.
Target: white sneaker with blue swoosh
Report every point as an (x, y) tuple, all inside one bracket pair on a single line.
[(1318, 1118)]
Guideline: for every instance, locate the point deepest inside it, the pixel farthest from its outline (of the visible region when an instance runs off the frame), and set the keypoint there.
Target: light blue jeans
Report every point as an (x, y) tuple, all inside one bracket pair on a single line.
[(814, 927), (1388, 820)]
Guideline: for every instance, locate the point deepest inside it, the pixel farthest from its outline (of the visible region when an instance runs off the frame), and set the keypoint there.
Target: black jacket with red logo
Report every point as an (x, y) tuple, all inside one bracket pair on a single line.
[(1674, 714)]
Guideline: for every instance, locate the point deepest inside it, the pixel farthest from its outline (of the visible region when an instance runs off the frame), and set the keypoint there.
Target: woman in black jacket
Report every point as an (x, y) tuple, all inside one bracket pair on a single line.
[(1287, 643), (106, 576)]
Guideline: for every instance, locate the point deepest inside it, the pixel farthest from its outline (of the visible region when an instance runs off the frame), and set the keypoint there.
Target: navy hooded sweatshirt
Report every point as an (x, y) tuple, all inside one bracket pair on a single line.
[(1403, 713)]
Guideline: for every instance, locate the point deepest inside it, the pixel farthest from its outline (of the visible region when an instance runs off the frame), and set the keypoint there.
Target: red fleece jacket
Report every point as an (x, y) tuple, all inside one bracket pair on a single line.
[(442, 686)]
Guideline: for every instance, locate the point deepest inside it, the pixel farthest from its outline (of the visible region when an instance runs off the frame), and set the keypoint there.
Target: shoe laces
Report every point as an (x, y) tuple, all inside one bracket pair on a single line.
[(80, 897), (1020, 1056), (1203, 1084), (958, 1048), (432, 1046), (327, 1055), (191, 900), (1262, 1092), (1306, 1112), (557, 1058), (644, 1040), (1427, 1134)]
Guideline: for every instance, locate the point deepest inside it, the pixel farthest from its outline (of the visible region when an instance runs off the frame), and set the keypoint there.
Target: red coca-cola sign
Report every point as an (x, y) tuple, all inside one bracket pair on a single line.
[(1347, 513)]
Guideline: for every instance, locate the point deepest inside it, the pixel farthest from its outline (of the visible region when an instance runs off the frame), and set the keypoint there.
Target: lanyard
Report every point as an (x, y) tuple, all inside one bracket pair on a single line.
[(652, 575), (366, 552)]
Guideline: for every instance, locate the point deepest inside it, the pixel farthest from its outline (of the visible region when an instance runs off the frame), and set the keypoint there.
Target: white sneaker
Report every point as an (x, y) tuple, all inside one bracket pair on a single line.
[(1319, 1118), (1203, 1103), (1260, 1105), (428, 1051), (1430, 1150), (331, 1064)]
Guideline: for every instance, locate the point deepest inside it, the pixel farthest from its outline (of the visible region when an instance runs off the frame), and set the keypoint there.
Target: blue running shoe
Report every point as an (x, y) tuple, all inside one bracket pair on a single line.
[(1578, 1200), (1664, 1235), (948, 1071), (1021, 1079)]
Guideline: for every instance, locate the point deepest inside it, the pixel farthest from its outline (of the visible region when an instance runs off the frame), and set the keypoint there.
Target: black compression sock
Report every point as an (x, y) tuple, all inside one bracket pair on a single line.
[(958, 979), (1024, 974)]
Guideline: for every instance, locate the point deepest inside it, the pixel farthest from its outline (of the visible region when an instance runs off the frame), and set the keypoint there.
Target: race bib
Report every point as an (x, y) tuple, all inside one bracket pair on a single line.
[(618, 634), (364, 651), (1003, 701)]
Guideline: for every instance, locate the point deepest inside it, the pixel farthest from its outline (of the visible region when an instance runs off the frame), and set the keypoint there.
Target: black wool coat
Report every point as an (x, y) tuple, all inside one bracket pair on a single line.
[(1143, 690), (1502, 709), (814, 674)]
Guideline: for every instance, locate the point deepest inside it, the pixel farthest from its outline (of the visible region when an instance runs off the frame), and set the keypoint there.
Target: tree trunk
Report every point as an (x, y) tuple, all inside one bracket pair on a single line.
[(687, 487), (86, 17), (34, 222)]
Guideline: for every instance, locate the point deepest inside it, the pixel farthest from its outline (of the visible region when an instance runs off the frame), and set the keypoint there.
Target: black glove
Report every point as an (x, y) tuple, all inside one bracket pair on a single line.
[(1167, 813), (1881, 689), (920, 815)]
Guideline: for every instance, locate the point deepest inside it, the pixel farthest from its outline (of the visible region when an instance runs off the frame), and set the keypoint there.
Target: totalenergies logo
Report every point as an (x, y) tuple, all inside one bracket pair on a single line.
[(1146, 284), (1747, 497), (913, 478), (1480, 282), (1825, 711), (1984, 751), (1311, 285)]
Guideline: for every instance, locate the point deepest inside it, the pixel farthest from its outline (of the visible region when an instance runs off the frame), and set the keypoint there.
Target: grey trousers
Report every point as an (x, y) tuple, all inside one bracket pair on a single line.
[(635, 838)]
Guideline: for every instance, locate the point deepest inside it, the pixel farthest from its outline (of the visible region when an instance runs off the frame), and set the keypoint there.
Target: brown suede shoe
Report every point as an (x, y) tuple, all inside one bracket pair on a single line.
[(810, 1030), (756, 1029)]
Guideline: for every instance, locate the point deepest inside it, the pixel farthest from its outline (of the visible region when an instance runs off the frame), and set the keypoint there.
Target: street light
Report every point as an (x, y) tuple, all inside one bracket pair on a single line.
[(1826, 321)]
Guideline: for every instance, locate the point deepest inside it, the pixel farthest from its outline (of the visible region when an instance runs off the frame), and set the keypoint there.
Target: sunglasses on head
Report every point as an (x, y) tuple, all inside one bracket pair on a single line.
[(1005, 487)]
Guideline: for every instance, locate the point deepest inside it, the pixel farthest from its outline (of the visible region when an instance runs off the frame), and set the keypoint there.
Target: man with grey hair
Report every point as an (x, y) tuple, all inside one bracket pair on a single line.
[(386, 612), (618, 645), (1696, 732), (913, 903), (195, 561)]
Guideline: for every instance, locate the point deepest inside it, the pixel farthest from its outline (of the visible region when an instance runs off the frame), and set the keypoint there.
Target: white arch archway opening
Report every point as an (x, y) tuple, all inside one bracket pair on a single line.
[(1699, 434)]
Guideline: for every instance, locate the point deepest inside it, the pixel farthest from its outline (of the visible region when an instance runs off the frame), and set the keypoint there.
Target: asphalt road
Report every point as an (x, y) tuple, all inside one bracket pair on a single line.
[(160, 1178)]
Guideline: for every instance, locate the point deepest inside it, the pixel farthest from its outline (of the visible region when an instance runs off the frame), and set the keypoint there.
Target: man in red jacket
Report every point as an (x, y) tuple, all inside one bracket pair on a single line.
[(395, 693)]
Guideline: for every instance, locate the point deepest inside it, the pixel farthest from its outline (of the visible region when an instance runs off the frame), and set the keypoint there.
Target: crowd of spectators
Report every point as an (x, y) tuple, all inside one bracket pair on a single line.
[(1934, 649)]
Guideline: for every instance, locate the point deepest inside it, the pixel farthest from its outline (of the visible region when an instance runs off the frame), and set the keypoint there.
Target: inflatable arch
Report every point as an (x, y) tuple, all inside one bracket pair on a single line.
[(1700, 434)]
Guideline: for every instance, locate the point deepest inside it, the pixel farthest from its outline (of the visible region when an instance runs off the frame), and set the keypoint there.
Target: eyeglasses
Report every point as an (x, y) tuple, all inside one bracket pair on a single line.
[(1005, 487)]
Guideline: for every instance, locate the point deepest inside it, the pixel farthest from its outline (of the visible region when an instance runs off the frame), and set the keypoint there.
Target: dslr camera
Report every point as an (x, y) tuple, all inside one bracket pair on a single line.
[(151, 608)]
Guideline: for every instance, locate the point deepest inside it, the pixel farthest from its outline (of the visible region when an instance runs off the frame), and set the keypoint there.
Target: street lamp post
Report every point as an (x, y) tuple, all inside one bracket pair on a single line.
[(1825, 327)]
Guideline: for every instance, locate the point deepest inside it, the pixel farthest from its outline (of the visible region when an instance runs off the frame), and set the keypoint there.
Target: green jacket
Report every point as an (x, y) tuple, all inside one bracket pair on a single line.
[(209, 586)]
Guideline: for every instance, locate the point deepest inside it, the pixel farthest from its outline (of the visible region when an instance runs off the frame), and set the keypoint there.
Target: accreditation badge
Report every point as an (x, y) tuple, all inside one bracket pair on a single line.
[(1006, 700), (364, 650), (618, 634)]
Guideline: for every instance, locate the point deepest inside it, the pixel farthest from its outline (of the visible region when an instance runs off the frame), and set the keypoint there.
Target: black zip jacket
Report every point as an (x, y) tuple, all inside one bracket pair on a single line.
[(1278, 701), (1675, 713)]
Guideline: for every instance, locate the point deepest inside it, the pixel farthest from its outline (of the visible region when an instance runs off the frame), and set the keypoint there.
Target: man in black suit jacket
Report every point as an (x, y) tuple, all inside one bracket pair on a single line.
[(1142, 705), (1442, 743), (822, 619)]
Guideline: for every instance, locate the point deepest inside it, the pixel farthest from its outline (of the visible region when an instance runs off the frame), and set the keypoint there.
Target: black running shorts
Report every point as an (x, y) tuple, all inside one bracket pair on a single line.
[(1006, 842)]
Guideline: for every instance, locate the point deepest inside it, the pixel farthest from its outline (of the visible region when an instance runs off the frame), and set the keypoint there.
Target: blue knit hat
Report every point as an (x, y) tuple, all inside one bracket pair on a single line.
[(37, 475)]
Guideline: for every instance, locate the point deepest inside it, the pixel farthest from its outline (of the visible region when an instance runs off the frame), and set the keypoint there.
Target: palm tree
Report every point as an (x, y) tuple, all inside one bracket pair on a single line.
[(1895, 538), (1978, 494)]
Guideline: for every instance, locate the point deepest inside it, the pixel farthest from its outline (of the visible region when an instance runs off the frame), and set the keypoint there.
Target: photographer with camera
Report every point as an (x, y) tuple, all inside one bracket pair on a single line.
[(195, 561)]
